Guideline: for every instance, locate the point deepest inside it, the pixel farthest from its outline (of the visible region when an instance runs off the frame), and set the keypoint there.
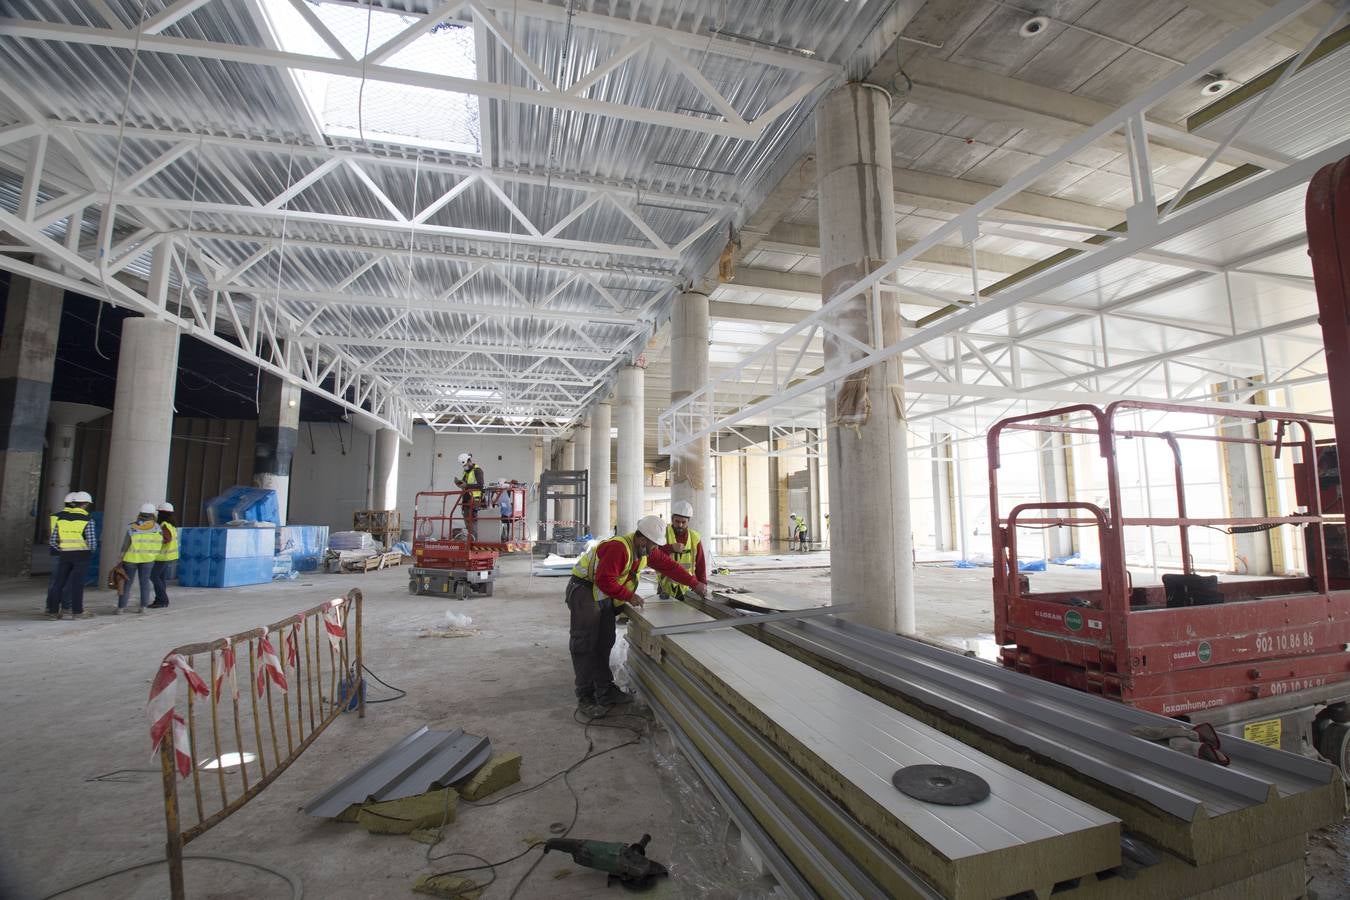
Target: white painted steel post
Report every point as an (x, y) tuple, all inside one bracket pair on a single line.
[(872, 555)]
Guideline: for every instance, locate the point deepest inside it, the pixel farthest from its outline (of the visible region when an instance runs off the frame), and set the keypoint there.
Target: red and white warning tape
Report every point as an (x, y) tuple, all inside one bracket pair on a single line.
[(224, 668), (332, 624), (164, 718), (270, 666)]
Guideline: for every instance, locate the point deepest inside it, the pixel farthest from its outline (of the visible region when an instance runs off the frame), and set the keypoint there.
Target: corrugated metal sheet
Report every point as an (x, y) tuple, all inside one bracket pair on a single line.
[(421, 761)]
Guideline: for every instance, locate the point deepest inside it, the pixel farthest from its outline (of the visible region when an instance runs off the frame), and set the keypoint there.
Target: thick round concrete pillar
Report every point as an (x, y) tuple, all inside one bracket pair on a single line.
[(630, 446), (385, 467), (27, 358), (65, 418), (534, 509), (567, 463), (278, 432), (872, 544), (581, 459), (688, 373), (142, 427), (601, 449)]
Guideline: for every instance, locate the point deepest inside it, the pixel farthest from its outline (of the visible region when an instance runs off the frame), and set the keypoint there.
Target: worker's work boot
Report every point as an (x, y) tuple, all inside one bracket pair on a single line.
[(160, 604), (613, 695)]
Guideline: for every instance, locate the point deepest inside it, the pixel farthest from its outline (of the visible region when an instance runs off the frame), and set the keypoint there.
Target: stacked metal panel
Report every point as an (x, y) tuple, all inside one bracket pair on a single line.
[(802, 756)]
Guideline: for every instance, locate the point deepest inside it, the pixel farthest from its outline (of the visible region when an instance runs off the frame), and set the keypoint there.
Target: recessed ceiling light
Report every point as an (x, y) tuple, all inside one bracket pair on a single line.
[(1034, 26), (1217, 86)]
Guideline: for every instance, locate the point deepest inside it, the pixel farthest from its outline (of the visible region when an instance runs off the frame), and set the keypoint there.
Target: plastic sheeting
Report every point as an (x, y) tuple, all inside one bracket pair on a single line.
[(242, 503)]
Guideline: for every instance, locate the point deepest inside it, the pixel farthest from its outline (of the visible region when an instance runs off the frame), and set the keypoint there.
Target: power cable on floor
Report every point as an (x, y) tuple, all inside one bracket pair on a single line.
[(401, 692), (297, 888), (590, 754)]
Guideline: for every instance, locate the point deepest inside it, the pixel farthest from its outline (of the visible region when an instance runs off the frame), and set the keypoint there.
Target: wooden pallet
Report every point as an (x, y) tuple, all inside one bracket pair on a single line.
[(374, 563)]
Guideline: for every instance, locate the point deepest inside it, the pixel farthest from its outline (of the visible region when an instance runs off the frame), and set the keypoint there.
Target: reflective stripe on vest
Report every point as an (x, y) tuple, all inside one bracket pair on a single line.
[(168, 552), (70, 523), (471, 479), (587, 564), (145, 544), (686, 557)]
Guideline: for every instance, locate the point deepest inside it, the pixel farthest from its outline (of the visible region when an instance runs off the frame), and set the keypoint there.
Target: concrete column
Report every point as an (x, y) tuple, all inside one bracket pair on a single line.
[(630, 446), (1244, 478), (65, 418), (601, 449), (814, 520), (777, 490), (278, 432), (581, 459), (535, 513), (385, 466), (688, 373), (27, 356), (942, 492), (142, 426), (567, 463), (872, 544), (1055, 489)]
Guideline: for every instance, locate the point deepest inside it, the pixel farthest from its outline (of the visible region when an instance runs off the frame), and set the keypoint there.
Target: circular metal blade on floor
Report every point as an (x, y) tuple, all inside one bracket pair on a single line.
[(946, 785)]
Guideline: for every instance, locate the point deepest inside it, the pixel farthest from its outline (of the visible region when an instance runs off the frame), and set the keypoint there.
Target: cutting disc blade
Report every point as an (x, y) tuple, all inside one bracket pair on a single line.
[(945, 785)]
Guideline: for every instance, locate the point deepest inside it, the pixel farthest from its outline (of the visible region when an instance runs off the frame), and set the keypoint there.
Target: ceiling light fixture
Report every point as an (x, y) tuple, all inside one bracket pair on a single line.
[(1034, 26), (753, 40), (1216, 86)]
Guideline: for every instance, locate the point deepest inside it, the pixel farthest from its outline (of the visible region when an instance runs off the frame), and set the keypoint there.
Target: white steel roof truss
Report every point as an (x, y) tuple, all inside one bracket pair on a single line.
[(1146, 229)]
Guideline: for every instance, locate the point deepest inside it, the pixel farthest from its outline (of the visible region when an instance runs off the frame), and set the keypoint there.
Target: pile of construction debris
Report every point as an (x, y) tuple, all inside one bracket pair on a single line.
[(865, 764)]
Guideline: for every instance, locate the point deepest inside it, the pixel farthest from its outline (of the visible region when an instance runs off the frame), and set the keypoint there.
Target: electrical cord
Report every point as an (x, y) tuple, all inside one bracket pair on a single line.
[(590, 754), (401, 692), (297, 888)]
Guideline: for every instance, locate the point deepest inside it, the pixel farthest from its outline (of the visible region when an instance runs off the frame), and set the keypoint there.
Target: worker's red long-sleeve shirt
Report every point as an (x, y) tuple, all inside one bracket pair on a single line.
[(610, 570)]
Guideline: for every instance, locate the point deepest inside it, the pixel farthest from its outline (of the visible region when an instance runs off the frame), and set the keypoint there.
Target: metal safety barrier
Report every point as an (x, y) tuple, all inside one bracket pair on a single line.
[(303, 672)]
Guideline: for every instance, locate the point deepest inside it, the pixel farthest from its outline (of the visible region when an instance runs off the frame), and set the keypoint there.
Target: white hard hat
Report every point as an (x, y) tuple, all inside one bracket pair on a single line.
[(465, 457), (166, 506), (793, 516), (72, 497), (83, 497), (683, 508), (148, 509), (652, 528)]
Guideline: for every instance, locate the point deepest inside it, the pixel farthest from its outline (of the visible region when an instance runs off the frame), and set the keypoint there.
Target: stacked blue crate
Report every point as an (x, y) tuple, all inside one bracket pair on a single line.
[(243, 504), (225, 557), (306, 545)]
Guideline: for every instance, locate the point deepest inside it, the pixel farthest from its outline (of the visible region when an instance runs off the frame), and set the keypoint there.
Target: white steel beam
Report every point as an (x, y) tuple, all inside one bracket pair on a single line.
[(263, 56)]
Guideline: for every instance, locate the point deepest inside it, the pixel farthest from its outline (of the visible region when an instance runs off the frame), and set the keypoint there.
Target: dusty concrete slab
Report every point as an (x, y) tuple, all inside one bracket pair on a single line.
[(75, 709)]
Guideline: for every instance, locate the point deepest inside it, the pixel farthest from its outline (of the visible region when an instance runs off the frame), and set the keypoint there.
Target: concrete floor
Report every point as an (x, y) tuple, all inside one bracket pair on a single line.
[(76, 710)]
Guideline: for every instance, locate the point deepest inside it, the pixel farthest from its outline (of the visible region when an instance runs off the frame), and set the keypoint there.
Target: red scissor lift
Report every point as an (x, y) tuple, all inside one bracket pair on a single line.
[(1255, 657), (450, 556)]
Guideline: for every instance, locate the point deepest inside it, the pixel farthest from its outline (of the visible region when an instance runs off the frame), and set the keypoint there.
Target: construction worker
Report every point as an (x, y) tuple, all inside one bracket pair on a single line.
[(796, 533), (471, 483), (603, 580), (802, 534), (75, 538), (166, 562), (685, 547), (53, 593), (140, 549)]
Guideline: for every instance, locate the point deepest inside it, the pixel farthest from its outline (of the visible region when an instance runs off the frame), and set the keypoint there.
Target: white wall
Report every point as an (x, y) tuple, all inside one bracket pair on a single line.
[(329, 474), (326, 485)]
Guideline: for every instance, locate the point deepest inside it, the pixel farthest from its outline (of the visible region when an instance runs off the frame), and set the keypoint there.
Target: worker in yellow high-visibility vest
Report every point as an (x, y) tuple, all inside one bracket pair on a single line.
[(685, 546), (166, 563), (603, 580), (471, 483), (74, 538), (140, 548)]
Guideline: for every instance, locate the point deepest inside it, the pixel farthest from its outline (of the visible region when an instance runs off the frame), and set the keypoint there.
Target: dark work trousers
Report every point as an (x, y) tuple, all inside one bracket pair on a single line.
[(53, 586), (591, 638), (159, 579), (72, 569)]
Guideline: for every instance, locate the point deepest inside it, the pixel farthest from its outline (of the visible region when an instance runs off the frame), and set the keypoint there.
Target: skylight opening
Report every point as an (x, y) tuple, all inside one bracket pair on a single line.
[(341, 106)]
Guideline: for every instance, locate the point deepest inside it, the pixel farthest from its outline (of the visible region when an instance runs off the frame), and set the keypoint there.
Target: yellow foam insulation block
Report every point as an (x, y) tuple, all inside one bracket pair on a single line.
[(408, 814), (502, 770)]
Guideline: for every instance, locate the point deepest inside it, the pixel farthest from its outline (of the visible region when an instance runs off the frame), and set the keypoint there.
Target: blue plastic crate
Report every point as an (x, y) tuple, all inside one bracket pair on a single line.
[(225, 543), (305, 543), (243, 503), (223, 573)]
